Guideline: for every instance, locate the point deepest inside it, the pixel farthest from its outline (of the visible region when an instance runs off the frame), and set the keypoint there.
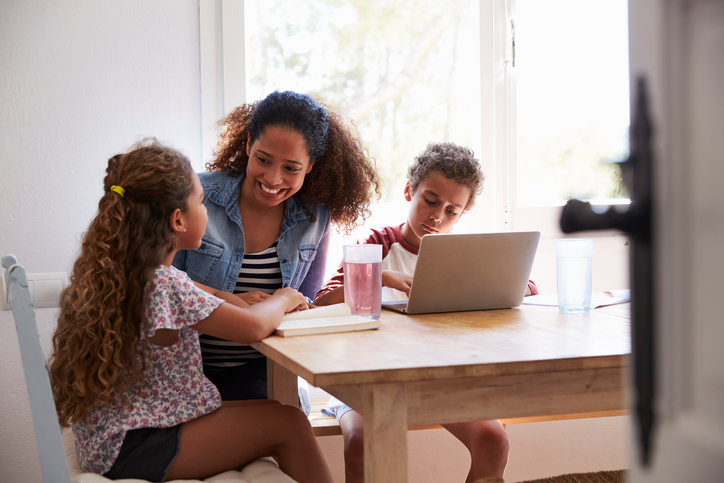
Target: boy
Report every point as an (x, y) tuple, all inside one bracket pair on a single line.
[(443, 182)]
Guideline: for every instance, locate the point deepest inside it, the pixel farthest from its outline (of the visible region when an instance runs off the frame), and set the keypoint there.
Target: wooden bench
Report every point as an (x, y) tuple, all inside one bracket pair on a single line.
[(328, 425)]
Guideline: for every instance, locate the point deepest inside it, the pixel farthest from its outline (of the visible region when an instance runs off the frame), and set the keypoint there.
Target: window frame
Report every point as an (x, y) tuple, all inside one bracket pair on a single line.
[(223, 87)]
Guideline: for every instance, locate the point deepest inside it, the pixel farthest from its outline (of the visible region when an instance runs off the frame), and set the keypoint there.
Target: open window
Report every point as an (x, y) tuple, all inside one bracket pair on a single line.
[(538, 89)]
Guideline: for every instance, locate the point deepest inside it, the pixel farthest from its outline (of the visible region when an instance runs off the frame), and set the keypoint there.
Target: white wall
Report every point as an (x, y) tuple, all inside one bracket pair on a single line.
[(82, 80), (79, 82)]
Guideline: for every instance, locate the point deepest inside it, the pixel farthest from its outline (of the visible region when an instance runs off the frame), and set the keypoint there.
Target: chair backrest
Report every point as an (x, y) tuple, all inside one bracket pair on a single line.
[(53, 462)]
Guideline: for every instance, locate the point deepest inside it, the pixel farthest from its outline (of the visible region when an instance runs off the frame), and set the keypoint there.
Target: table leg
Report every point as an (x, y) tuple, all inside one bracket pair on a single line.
[(281, 384), (385, 433)]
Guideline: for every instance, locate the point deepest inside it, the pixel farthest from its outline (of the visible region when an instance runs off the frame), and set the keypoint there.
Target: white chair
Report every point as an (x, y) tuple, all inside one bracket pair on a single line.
[(58, 460)]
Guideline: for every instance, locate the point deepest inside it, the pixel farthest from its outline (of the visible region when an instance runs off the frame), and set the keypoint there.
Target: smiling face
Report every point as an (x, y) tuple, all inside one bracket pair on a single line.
[(436, 205), (278, 163)]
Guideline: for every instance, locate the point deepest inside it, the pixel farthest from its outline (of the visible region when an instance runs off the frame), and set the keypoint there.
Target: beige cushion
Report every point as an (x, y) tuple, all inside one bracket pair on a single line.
[(259, 471)]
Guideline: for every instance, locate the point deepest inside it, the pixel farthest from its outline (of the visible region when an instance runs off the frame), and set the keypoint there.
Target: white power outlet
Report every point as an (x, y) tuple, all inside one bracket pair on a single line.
[(44, 288)]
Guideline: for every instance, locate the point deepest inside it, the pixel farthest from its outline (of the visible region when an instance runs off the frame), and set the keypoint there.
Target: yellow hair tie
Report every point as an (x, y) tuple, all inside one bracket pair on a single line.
[(118, 190)]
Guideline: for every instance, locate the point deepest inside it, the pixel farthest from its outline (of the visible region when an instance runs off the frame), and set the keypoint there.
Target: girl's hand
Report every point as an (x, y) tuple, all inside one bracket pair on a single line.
[(252, 298), (397, 280), (295, 300)]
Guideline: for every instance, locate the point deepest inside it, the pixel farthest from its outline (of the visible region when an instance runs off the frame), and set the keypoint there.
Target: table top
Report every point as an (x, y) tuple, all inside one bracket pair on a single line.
[(523, 340)]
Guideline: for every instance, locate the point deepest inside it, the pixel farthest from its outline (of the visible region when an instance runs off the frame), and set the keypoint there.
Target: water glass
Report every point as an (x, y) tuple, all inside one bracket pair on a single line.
[(363, 279), (574, 263)]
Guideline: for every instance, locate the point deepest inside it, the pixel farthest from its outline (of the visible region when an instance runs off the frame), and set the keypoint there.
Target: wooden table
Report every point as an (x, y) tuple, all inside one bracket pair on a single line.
[(456, 367)]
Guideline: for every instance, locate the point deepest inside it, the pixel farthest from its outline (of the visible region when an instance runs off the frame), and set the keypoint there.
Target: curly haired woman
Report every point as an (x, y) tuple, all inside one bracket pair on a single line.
[(284, 170)]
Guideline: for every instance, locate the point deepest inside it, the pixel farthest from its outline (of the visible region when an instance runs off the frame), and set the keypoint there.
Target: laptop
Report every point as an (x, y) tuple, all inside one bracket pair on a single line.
[(463, 272)]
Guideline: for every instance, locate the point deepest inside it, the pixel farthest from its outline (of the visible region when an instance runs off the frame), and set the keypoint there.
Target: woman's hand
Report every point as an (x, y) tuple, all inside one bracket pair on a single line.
[(252, 298), (305, 306), (295, 300), (397, 280)]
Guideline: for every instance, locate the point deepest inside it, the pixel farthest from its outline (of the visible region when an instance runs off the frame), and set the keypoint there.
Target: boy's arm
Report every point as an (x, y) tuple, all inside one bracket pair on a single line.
[(336, 283), (397, 280), (333, 290), (330, 297)]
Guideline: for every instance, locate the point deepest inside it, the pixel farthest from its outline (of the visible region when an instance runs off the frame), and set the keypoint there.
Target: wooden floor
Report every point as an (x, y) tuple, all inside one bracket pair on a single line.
[(618, 476)]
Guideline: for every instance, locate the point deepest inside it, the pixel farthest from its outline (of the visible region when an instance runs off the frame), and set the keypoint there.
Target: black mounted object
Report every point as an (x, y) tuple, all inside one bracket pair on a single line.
[(636, 221)]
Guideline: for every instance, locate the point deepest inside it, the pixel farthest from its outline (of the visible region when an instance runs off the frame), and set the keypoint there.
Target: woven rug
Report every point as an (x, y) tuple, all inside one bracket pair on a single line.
[(618, 476)]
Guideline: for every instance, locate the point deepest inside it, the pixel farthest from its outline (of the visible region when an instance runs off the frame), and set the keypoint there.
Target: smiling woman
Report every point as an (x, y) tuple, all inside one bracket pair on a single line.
[(278, 163), (284, 170)]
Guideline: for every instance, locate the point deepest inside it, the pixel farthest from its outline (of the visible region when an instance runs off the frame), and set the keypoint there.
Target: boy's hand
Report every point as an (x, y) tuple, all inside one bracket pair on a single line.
[(252, 298), (294, 299), (397, 280)]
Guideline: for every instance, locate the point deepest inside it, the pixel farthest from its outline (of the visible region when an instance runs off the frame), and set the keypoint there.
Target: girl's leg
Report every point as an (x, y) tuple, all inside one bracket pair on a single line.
[(487, 443), (242, 431), (352, 425)]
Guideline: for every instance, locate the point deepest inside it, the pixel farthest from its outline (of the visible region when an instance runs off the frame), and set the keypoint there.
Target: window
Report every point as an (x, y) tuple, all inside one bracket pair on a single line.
[(542, 114), (572, 111), (405, 72)]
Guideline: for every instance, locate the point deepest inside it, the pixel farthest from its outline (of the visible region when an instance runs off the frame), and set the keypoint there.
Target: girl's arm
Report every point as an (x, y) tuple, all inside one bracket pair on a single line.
[(165, 337), (250, 324), (251, 298), (233, 299), (168, 337)]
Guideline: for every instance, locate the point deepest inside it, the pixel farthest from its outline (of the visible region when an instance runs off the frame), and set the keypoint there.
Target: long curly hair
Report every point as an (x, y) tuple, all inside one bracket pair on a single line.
[(457, 163), (343, 177), (96, 352)]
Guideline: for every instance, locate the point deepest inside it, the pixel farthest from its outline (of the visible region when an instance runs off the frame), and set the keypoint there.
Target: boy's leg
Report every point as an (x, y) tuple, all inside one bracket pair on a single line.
[(240, 432), (487, 443), (352, 425)]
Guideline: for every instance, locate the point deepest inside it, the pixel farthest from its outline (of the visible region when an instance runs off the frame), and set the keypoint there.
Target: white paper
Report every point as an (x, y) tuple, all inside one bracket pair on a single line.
[(336, 310), (598, 299)]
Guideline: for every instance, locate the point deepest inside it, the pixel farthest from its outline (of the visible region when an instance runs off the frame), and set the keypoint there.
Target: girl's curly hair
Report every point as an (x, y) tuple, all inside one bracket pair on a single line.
[(343, 177), (96, 353), (457, 163)]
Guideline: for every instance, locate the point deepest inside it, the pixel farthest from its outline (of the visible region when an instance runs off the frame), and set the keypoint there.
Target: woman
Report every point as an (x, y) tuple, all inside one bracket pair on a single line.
[(285, 168)]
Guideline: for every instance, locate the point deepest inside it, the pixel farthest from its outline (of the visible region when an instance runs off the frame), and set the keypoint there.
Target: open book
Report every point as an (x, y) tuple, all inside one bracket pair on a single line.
[(324, 320)]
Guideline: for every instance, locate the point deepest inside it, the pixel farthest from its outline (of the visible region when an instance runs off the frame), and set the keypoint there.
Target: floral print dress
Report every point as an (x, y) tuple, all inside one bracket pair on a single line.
[(176, 390)]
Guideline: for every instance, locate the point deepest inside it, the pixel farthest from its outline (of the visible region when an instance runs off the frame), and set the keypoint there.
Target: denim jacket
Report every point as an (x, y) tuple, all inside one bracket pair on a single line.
[(302, 247)]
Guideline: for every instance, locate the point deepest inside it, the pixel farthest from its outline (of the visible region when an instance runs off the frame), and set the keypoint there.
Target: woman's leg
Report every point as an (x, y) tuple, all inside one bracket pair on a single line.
[(352, 425), (242, 431), (487, 443)]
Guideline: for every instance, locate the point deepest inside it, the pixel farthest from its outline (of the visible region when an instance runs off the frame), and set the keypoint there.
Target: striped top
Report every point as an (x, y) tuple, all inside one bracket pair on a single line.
[(259, 271)]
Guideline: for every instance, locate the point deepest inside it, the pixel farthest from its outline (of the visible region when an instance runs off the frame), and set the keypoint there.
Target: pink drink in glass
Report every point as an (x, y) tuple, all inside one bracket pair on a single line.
[(363, 288)]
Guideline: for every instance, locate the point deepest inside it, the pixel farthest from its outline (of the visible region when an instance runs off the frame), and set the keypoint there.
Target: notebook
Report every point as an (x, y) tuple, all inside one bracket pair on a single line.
[(327, 319), (478, 271)]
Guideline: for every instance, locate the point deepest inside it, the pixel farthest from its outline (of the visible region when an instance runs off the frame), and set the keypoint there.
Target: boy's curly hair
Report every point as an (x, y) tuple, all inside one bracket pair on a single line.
[(96, 343), (343, 177), (457, 163)]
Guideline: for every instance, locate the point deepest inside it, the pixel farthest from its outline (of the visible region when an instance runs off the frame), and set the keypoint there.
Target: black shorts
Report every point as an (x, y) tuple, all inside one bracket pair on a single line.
[(146, 454)]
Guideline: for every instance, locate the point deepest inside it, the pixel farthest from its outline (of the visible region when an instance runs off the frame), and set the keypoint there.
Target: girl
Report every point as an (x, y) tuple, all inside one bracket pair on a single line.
[(285, 167), (126, 365)]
